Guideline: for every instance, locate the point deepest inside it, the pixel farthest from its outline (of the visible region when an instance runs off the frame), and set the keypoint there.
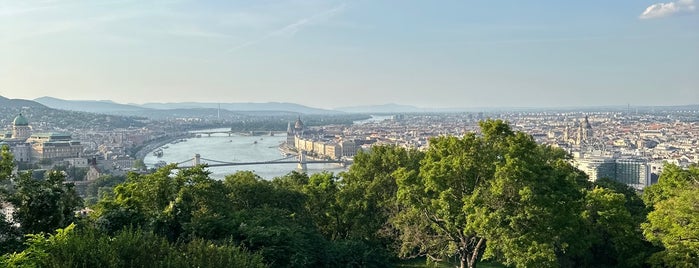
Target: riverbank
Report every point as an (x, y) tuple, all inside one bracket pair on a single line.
[(159, 142)]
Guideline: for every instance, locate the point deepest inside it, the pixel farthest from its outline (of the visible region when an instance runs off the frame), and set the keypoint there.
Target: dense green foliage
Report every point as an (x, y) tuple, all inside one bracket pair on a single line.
[(496, 196), (673, 222), (499, 195), (44, 205), (10, 235), (272, 218), (127, 248), (39, 205), (104, 185)]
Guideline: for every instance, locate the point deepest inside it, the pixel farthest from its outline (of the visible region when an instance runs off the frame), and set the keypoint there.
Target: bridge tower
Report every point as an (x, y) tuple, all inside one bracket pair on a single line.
[(197, 159), (302, 166)]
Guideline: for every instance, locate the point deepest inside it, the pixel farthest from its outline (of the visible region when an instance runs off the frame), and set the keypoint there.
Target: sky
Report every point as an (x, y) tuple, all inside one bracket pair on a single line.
[(331, 53)]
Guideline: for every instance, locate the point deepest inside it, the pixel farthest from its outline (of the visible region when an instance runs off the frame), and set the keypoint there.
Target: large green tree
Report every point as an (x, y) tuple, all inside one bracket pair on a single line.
[(321, 203), (529, 211), (44, 205), (613, 215), (674, 220), (182, 206), (367, 198), (10, 235), (614, 233), (273, 220), (499, 194)]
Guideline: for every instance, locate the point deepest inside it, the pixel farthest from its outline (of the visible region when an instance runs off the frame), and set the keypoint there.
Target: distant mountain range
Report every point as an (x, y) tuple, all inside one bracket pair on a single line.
[(243, 107), (110, 107), (196, 109), (385, 108), (18, 103), (93, 106), (52, 118)]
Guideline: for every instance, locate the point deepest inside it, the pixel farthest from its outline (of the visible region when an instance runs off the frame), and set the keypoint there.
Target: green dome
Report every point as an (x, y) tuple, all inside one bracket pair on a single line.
[(20, 121)]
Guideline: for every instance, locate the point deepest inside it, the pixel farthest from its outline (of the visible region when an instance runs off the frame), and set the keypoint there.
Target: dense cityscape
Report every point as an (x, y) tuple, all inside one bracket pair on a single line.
[(602, 143)]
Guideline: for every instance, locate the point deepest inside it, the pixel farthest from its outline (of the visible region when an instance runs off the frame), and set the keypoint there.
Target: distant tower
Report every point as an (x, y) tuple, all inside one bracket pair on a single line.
[(298, 127), (290, 136), (566, 133), (587, 131), (20, 128), (579, 134)]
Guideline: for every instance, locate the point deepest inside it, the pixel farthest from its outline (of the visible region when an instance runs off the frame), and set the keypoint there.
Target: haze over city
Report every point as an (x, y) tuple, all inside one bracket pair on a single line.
[(331, 54)]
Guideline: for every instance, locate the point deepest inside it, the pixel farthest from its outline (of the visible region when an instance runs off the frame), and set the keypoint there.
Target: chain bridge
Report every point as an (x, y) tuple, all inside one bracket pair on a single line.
[(301, 161)]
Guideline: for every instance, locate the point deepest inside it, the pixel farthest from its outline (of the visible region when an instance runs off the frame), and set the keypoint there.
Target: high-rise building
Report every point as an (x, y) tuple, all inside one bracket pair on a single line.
[(634, 172), (598, 167)]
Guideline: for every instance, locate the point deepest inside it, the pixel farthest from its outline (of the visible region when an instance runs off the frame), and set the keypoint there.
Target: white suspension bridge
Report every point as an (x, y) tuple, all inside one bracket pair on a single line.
[(301, 161)]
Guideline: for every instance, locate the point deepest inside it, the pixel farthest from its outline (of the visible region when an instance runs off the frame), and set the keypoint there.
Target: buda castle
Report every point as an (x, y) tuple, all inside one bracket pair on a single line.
[(28, 147)]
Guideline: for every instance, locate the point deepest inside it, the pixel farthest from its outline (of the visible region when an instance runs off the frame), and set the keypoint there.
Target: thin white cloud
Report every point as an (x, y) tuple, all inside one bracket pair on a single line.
[(291, 29), (661, 10)]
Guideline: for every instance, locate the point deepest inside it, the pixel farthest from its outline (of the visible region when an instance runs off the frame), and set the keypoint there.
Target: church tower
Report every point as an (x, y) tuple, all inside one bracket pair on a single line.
[(579, 135), (298, 127), (290, 142), (587, 130)]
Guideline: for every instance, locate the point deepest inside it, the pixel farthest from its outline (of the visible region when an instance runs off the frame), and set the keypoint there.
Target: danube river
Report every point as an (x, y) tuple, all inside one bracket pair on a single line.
[(240, 148), (235, 148)]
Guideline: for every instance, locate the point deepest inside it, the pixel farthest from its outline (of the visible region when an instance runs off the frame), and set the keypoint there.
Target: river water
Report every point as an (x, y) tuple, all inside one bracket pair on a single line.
[(240, 148), (234, 148)]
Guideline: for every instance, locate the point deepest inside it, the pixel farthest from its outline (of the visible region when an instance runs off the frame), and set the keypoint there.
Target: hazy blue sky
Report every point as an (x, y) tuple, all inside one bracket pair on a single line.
[(342, 53)]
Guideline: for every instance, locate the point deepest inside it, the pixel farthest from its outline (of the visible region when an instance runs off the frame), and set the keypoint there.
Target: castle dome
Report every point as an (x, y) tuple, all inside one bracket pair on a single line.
[(20, 121)]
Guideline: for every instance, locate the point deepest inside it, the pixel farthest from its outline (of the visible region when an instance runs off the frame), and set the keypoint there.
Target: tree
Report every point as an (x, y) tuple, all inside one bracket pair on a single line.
[(674, 221), (633, 202), (71, 247), (433, 223), (139, 165), (671, 180), (529, 211), (367, 197), (500, 192), (10, 236), (184, 206), (102, 186), (201, 207), (44, 205), (7, 165), (321, 202), (139, 202), (615, 235), (273, 220), (249, 191)]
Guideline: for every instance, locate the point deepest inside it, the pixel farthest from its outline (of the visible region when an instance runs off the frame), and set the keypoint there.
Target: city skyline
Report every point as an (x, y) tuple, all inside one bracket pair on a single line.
[(331, 54)]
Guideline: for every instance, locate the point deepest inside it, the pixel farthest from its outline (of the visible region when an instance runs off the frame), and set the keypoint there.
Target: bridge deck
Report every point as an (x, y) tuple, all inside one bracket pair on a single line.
[(268, 163)]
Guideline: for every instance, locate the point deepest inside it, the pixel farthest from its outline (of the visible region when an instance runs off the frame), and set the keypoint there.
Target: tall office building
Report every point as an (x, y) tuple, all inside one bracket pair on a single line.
[(634, 172)]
